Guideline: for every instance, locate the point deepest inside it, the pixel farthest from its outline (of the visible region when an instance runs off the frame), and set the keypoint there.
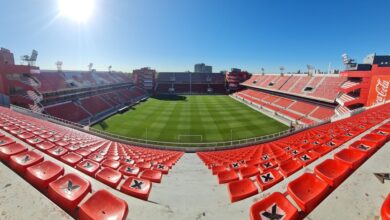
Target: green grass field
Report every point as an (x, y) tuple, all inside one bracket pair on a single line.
[(191, 119)]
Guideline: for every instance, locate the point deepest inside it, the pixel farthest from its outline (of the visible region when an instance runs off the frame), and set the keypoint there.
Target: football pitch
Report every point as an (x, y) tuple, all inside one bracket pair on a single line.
[(191, 119)]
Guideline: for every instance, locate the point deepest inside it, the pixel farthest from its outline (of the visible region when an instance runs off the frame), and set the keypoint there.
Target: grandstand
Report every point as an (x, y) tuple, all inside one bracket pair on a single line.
[(190, 83), (77, 96), (320, 87), (337, 141)]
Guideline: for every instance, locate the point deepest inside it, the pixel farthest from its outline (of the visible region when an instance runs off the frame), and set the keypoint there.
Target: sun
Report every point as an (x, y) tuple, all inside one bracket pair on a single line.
[(77, 10)]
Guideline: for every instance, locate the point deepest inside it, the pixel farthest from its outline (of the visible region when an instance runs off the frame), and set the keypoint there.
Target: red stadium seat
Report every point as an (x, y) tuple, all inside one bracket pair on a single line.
[(217, 169), (249, 171), (44, 146), (103, 205), (241, 189), (137, 187), (307, 158), (307, 191), (71, 159), (68, 191), (334, 143), (61, 143), (34, 140), (322, 150), (6, 151), (152, 175), (127, 161), (129, 170), (25, 135), (332, 171), (57, 152), (16, 132), (10, 127), (275, 206), (20, 162), (83, 152), (268, 179), (40, 175), (378, 139), (368, 147), (283, 158), (162, 168), (6, 140), (253, 162), (89, 167), (109, 176), (227, 176), (96, 157), (385, 210), (289, 167), (353, 158), (143, 165), (267, 165), (235, 165), (111, 163), (382, 131), (72, 147)]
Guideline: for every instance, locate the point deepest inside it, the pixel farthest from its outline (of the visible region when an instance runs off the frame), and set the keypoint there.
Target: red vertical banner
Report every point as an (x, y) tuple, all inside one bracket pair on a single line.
[(379, 90)]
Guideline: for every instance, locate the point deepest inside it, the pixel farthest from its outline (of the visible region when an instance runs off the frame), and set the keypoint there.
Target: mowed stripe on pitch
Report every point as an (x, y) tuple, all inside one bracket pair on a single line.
[(213, 117)]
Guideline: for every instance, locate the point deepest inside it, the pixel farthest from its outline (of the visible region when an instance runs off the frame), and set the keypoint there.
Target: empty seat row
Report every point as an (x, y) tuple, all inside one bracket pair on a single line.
[(314, 87), (310, 189), (66, 190), (109, 162), (292, 109), (279, 159)]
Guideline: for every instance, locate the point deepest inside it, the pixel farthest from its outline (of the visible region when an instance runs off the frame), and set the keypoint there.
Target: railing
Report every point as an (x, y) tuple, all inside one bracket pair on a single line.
[(179, 146), (348, 114)]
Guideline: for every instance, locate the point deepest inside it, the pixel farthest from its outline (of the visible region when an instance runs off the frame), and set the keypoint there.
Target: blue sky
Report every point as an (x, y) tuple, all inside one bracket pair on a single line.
[(173, 35)]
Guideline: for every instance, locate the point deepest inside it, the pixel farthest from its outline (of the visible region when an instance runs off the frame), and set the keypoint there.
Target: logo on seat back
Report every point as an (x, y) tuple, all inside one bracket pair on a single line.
[(129, 169), (69, 188), (363, 147), (273, 213), (25, 159), (305, 157), (267, 177), (88, 165), (136, 184)]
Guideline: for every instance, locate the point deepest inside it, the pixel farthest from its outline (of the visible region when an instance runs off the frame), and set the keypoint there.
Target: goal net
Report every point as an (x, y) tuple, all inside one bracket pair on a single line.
[(189, 138)]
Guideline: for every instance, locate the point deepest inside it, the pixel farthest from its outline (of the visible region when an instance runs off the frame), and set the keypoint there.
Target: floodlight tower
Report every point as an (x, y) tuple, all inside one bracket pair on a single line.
[(90, 66), (310, 69), (349, 63), (59, 66), (30, 59), (281, 68)]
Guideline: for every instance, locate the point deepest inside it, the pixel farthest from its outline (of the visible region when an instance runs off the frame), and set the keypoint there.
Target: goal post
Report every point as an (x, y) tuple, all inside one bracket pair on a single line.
[(190, 138)]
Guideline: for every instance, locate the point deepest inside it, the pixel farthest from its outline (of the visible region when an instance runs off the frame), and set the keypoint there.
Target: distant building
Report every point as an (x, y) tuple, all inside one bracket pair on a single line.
[(145, 78), (235, 77), (6, 57), (202, 68)]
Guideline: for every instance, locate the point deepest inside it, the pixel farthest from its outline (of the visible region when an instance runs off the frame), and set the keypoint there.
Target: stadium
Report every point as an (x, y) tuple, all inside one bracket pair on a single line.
[(149, 144)]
